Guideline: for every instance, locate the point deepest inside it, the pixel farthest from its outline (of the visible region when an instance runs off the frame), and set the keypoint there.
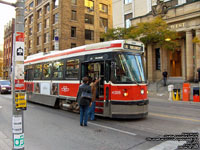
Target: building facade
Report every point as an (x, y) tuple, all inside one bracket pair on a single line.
[(182, 16), (62, 24), (9, 30), (1, 62), (184, 61)]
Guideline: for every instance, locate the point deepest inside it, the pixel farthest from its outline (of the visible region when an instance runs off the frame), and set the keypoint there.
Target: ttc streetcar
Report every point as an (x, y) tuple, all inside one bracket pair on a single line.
[(53, 78)]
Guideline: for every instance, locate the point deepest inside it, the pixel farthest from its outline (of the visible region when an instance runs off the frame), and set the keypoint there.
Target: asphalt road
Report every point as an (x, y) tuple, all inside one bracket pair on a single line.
[(47, 128)]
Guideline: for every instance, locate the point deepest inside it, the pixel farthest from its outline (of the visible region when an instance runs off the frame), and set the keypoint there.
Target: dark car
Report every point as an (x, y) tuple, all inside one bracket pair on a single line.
[(5, 86)]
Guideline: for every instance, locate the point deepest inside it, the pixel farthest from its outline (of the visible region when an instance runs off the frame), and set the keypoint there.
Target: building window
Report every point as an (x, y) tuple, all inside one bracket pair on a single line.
[(89, 19), (89, 35), (31, 6), (127, 20), (30, 43), (73, 15), (103, 8), (127, 1), (47, 9), (103, 22), (30, 31), (55, 33), (157, 58), (38, 40), (39, 13), (31, 19), (55, 4), (74, 2), (39, 2), (39, 27), (55, 18), (89, 4), (26, 10), (46, 23), (46, 37), (73, 31), (73, 45)]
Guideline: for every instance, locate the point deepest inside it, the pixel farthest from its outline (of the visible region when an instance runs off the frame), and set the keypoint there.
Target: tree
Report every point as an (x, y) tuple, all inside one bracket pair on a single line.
[(156, 31)]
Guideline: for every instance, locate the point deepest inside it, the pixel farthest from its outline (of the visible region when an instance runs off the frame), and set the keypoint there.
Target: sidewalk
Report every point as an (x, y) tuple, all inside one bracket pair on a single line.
[(5, 142)]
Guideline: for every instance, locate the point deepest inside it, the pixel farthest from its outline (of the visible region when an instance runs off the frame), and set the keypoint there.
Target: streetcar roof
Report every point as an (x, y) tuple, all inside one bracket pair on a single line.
[(78, 51)]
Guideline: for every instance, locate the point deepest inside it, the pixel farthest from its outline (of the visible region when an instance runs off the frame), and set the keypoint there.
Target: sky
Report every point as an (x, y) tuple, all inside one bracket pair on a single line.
[(6, 14)]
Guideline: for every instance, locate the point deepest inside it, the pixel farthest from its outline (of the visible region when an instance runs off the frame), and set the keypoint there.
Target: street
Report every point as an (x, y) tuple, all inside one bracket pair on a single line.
[(47, 128)]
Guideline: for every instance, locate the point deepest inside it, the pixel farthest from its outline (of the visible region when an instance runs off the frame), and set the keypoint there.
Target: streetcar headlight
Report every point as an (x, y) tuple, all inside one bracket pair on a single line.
[(142, 91), (3, 88), (125, 94)]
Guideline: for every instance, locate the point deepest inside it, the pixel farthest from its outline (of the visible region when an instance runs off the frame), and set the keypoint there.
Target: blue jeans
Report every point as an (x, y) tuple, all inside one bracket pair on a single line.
[(91, 112), (83, 115)]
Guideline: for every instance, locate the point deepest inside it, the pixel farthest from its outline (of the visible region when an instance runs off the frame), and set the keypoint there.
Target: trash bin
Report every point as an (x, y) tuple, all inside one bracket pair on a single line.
[(176, 94), (186, 91), (196, 94)]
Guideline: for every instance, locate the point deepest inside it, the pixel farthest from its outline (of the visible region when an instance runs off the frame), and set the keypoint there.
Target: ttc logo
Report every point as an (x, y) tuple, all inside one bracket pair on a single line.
[(20, 51)]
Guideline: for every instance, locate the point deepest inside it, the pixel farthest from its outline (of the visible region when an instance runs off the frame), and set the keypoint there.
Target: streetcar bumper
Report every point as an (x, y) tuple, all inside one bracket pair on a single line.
[(129, 110)]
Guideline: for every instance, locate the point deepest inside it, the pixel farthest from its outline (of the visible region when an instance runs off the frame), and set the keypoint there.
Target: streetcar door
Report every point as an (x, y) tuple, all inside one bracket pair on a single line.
[(96, 70)]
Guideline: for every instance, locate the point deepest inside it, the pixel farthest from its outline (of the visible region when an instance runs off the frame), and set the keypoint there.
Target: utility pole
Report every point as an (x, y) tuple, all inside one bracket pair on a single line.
[(18, 87)]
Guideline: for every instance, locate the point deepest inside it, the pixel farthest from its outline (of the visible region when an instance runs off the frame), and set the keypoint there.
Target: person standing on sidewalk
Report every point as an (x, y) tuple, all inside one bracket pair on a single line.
[(165, 74), (91, 112), (84, 102)]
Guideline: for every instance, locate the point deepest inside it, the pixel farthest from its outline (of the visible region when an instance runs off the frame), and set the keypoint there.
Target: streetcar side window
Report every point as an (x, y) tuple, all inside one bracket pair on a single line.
[(46, 71), (38, 71), (28, 72), (72, 69), (58, 69)]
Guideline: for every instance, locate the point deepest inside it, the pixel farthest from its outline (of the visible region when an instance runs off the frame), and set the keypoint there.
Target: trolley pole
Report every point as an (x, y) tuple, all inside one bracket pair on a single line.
[(18, 87)]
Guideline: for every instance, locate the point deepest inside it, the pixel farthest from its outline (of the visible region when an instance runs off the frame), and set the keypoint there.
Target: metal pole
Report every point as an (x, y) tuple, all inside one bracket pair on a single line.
[(18, 88), (18, 77)]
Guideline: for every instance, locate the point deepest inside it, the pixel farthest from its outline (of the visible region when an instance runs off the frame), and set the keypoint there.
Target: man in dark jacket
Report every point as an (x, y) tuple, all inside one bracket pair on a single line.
[(165, 77), (84, 102)]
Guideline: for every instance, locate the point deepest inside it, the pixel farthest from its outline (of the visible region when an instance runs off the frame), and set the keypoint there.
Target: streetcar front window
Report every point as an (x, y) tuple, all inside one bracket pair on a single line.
[(129, 68)]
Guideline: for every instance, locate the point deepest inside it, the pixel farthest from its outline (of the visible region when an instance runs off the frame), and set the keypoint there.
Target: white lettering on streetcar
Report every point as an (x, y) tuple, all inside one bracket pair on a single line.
[(116, 92)]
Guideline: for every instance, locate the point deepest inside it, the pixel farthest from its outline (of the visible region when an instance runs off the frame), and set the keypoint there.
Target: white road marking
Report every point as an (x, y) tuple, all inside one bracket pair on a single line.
[(114, 129), (0, 107), (168, 145)]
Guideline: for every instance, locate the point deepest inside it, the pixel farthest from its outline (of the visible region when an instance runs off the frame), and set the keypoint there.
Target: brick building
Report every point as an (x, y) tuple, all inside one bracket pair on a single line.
[(63, 24), (9, 30)]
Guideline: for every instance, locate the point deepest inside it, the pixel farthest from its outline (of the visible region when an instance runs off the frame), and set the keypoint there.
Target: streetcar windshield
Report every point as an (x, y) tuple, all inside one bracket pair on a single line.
[(129, 68)]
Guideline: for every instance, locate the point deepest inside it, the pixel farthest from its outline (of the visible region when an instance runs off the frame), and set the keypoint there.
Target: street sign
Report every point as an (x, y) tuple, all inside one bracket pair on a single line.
[(20, 100), (17, 124), (18, 141), (19, 51), (19, 71), (20, 37), (19, 84)]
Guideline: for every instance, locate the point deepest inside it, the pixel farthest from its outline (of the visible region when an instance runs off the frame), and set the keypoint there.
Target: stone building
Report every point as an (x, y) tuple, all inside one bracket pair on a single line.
[(9, 30), (62, 24), (184, 61), (1, 62), (182, 16)]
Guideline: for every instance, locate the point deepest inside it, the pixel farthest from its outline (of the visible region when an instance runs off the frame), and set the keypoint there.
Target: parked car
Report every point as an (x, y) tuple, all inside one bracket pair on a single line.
[(5, 86)]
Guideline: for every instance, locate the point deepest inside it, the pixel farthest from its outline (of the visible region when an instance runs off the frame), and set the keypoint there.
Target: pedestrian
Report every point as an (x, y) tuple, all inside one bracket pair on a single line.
[(165, 77), (94, 88), (84, 98)]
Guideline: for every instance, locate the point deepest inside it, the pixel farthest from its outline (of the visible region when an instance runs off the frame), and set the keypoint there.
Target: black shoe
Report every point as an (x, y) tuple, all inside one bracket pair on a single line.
[(85, 124), (81, 124)]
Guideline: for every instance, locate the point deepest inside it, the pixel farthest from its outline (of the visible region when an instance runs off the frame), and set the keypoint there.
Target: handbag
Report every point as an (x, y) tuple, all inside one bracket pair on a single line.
[(86, 95)]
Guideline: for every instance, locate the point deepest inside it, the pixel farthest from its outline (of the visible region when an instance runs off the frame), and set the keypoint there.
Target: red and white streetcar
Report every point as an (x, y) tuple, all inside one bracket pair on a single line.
[(53, 78)]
